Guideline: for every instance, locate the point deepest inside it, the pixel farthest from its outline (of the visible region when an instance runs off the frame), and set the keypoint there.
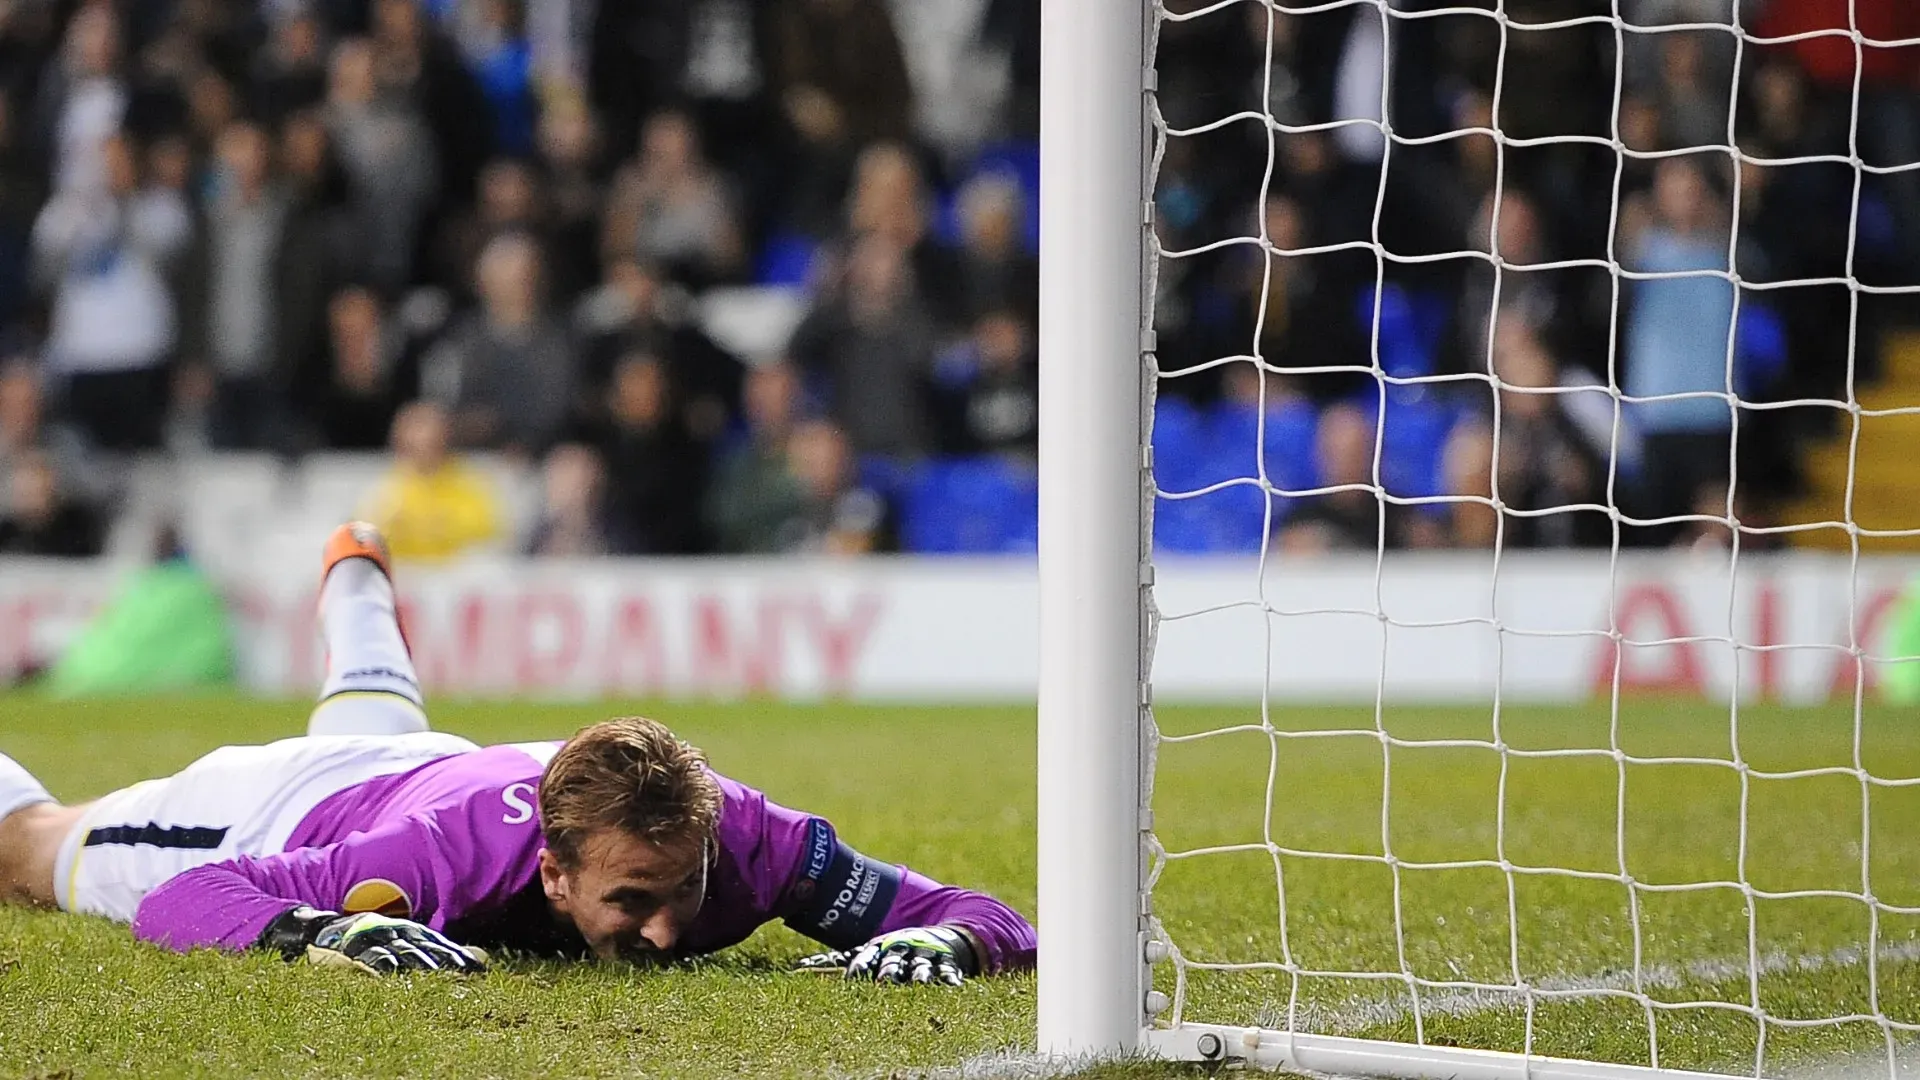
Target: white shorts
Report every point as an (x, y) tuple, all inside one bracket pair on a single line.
[(238, 800)]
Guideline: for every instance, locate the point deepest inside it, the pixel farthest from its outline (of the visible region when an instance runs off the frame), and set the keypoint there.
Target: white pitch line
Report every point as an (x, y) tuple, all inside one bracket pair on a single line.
[(1359, 1014), (1015, 1063)]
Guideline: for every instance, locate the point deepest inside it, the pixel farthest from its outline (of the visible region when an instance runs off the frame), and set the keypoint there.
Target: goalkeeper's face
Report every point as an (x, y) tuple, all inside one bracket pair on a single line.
[(630, 898)]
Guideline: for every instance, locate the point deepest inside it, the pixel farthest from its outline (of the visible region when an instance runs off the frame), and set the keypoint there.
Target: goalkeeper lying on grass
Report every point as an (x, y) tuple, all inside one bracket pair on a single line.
[(378, 842)]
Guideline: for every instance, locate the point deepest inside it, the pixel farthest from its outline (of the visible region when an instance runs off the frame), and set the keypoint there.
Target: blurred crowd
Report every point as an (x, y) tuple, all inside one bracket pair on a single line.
[(442, 227), (1673, 208)]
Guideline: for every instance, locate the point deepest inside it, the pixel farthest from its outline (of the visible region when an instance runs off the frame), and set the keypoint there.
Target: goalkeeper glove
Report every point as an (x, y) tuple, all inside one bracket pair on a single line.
[(375, 943), (922, 954)]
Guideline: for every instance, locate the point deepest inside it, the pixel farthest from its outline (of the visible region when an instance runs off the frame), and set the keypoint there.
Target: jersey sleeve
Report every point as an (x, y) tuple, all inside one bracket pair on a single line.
[(808, 877), (433, 868)]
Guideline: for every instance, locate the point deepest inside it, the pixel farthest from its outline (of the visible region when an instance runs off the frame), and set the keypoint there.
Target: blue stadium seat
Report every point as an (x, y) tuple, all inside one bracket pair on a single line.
[(1182, 444), (888, 477), (1194, 450), (1185, 458), (946, 219), (1406, 331), (1760, 348), (1236, 518), (786, 259), (975, 505), (1287, 447), (1291, 432), (1413, 440)]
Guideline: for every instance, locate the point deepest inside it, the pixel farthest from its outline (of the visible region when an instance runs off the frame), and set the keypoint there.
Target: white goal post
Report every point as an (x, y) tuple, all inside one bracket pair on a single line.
[(1094, 484), (1102, 140)]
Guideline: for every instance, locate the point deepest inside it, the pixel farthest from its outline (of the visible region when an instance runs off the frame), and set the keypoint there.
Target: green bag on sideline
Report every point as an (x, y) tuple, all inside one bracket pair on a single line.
[(167, 629)]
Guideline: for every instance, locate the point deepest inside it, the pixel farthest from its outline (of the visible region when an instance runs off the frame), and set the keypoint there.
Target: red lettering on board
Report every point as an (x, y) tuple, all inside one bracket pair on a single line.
[(724, 662), (840, 642), (453, 654), (16, 648), (542, 661), (1655, 604), (1868, 617), (634, 633), (22, 651), (1766, 632)]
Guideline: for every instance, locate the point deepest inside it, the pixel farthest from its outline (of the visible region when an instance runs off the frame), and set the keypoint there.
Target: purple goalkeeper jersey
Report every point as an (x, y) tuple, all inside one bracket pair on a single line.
[(455, 844)]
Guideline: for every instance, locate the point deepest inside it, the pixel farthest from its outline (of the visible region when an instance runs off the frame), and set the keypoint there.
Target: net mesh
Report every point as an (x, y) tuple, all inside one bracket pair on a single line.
[(1650, 880)]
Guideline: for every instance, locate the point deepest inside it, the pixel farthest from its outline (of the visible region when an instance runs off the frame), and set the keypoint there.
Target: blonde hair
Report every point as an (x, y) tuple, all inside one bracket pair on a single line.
[(630, 774)]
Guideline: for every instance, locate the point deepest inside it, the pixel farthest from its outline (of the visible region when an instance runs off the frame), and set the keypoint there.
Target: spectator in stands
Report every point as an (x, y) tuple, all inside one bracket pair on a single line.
[(842, 72), (889, 201), (804, 501), (1800, 218), (871, 346), (1692, 91), (1676, 337), (1304, 318), (238, 291), (321, 220), (569, 155), (508, 200), (838, 516), (988, 389), (501, 59), (1012, 27), (573, 509), (404, 156), (212, 106), (772, 402), (83, 99), (1336, 199), (842, 83), (959, 82), (1711, 529), (630, 304), (656, 470), (1351, 518), (753, 493), (417, 61), (995, 271), (289, 75), (21, 191), (505, 371), (671, 208), (107, 254), (637, 64), (355, 409), (25, 430), (1544, 460), (40, 519), (387, 151), (635, 309), (188, 428), (432, 506), (1525, 296)]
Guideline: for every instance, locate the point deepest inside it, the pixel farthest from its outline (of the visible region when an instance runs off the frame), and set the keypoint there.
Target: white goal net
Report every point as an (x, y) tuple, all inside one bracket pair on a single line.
[(1534, 424)]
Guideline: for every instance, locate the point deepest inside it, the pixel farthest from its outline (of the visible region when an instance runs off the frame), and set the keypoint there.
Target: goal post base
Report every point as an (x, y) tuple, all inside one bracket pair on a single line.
[(1340, 1056)]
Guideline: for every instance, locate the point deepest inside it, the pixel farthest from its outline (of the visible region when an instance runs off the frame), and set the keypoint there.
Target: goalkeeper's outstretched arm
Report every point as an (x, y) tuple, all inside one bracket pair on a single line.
[(826, 889)]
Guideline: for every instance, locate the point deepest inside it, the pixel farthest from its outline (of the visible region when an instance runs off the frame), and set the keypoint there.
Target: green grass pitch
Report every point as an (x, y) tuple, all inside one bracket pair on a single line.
[(952, 792)]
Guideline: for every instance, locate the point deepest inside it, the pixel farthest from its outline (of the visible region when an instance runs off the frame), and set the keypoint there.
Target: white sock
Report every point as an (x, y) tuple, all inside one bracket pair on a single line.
[(370, 712), (18, 788), (371, 687)]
